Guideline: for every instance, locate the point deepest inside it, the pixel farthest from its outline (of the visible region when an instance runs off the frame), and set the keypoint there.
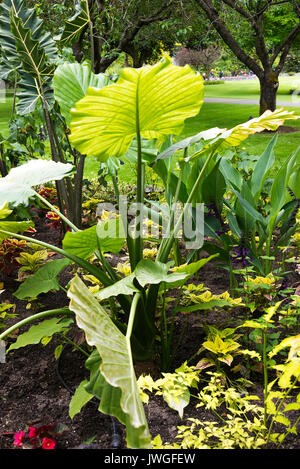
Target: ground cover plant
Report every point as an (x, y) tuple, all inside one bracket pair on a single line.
[(133, 268)]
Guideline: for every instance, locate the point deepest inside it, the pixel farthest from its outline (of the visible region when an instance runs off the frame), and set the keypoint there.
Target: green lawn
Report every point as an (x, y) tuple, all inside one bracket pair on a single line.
[(249, 89), (5, 113)]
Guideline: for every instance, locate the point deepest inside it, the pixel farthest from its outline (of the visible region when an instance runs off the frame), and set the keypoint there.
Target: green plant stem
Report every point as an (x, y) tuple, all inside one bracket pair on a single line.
[(264, 333), (137, 297), (283, 398), (138, 251), (44, 314), (71, 342), (162, 257), (65, 219)]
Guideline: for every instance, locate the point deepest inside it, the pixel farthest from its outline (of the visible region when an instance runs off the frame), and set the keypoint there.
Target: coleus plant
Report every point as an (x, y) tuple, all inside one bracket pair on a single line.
[(156, 100)]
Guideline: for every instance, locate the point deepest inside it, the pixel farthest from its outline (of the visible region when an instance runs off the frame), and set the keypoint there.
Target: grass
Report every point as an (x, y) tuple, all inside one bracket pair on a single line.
[(5, 113), (249, 89)]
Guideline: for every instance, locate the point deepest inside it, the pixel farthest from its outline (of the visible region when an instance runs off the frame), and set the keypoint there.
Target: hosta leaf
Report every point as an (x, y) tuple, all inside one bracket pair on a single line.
[(44, 280), (71, 82), (44, 329), (118, 382), (154, 100), (16, 187)]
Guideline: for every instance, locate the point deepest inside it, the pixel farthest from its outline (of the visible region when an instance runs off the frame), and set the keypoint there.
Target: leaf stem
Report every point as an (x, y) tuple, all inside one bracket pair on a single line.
[(44, 314)]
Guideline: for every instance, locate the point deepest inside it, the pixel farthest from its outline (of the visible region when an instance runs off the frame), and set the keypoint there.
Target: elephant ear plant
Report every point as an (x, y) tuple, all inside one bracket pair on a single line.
[(148, 103)]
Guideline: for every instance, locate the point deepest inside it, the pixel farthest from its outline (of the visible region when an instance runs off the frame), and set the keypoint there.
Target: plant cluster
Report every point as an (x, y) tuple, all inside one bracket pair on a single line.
[(132, 253)]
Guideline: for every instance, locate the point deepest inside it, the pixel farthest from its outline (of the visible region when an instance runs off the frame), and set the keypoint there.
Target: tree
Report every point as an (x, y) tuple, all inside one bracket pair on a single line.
[(204, 58), (256, 42)]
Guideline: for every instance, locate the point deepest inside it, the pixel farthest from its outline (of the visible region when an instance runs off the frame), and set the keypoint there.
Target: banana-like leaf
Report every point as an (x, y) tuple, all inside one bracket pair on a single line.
[(118, 391), (16, 187), (76, 25), (71, 82), (235, 136), (152, 101)]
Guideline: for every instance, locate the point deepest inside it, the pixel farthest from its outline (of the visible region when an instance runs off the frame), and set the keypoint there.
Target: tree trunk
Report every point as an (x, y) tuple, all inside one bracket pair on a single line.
[(268, 91)]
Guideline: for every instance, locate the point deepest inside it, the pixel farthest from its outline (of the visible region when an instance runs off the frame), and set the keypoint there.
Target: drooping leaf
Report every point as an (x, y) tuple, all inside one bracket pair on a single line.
[(44, 329), (116, 372), (16, 187), (42, 281), (71, 82), (154, 100)]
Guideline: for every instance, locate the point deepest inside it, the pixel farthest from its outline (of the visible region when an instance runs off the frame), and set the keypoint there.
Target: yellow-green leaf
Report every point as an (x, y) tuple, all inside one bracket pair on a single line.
[(154, 100)]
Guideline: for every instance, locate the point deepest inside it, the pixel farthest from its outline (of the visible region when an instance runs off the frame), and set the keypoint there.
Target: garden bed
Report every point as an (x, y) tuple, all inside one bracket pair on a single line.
[(36, 388)]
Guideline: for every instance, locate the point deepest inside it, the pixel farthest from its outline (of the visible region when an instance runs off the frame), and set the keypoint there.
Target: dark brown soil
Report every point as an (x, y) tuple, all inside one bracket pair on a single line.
[(35, 388)]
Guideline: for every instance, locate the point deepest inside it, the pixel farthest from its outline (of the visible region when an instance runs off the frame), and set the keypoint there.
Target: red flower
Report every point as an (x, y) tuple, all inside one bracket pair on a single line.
[(19, 438), (32, 432), (47, 443)]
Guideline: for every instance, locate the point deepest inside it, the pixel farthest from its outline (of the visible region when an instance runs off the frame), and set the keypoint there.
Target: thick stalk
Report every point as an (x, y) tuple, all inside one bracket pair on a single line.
[(138, 236)]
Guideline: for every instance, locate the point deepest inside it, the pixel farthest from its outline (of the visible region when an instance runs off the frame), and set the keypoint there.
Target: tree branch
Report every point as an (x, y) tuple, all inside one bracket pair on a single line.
[(227, 37), (286, 44)]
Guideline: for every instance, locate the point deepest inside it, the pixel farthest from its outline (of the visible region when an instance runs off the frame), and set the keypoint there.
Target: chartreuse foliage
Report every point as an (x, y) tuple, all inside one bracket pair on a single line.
[(144, 102), (148, 103)]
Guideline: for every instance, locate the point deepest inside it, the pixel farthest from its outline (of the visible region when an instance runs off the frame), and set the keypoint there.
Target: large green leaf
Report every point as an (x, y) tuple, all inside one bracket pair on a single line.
[(153, 100), (16, 187), (116, 373), (76, 26), (71, 82), (29, 93), (105, 236), (32, 54), (42, 281), (36, 333), (10, 58)]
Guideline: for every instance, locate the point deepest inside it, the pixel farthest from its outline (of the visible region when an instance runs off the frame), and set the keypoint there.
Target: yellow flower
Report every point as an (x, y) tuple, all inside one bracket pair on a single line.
[(124, 268), (149, 253)]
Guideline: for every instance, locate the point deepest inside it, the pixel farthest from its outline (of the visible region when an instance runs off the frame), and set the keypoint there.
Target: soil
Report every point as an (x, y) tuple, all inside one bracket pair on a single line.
[(35, 388)]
